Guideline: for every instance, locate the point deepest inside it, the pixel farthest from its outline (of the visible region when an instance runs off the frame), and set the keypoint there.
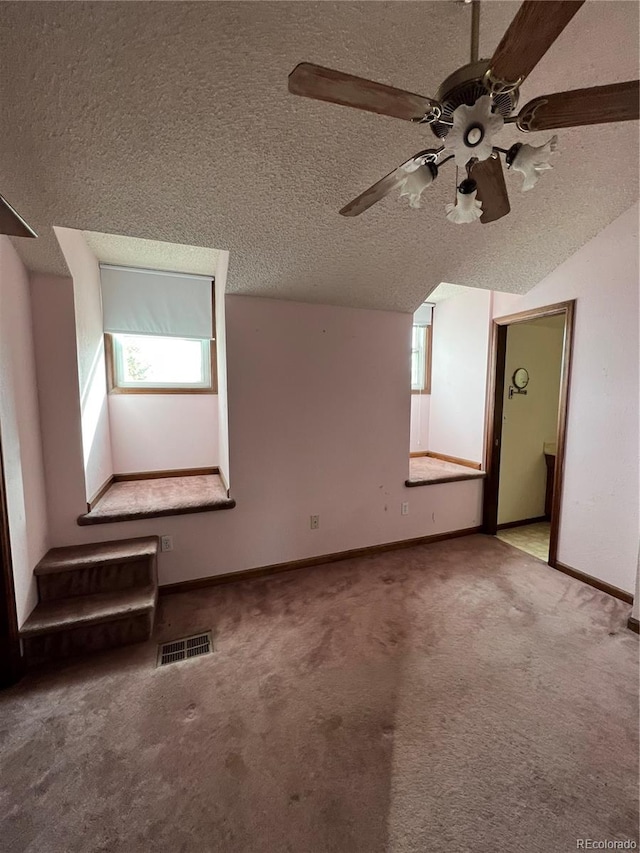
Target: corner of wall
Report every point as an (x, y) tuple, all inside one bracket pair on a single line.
[(56, 361), (220, 287), (94, 414), (21, 434)]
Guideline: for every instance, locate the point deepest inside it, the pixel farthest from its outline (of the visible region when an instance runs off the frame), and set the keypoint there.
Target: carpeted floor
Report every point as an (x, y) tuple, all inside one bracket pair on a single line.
[(455, 697)]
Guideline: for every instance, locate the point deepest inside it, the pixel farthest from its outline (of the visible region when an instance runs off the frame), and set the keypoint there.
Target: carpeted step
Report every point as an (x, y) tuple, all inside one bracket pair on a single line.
[(82, 570), (89, 623)]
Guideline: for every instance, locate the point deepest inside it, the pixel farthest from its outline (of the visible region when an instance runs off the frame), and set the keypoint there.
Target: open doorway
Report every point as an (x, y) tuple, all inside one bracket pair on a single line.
[(526, 420)]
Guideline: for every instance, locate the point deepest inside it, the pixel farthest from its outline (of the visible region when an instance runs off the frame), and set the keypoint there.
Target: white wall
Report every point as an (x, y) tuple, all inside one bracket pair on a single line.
[(419, 432), (319, 408), (220, 286), (503, 304), (162, 432), (459, 375), (96, 434), (600, 504), (529, 420), (21, 444)]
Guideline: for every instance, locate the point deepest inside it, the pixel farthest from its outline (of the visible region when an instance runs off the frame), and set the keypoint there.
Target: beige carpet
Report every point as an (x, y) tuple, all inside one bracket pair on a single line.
[(441, 699), (134, 499), (426, 469)]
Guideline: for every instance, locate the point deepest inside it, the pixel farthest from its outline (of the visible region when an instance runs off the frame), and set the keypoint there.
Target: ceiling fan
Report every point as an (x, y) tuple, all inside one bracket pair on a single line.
[(470, 107), (12, 223)]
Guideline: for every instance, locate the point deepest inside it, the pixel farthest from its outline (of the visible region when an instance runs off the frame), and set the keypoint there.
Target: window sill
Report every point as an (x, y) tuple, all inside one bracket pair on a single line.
[(132, 500), (118, 390), (427, 471)]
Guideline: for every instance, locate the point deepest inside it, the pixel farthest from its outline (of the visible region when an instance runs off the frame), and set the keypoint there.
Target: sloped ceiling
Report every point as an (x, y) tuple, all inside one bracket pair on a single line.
[(151, 254), (172, 122)]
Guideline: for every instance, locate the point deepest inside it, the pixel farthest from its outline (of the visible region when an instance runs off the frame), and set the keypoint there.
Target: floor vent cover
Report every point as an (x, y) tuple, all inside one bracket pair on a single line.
[(187, 647)]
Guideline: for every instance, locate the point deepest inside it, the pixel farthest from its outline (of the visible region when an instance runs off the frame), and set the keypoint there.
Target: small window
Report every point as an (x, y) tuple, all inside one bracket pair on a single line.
[(148, 363), (421, 360)]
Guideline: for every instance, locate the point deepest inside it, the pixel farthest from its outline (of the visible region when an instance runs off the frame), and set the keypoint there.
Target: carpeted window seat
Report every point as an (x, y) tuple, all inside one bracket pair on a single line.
[(427, 471), (134, 499)]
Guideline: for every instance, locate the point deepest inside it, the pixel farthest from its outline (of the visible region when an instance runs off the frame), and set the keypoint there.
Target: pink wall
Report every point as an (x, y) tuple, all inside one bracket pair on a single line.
[(319, 408), (21, 445), (53, 312), (459, 375), (96, 437), (600, 511), (159, 432)]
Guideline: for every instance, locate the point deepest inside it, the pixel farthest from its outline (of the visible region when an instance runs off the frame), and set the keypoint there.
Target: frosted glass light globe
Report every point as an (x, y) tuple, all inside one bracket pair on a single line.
[(467, 208), (530, 160), (415, 183)]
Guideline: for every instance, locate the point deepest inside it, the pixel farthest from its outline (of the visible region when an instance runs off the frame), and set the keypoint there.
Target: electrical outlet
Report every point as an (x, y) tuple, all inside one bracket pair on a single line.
[(166, 543), (404, 508), (314, 522)]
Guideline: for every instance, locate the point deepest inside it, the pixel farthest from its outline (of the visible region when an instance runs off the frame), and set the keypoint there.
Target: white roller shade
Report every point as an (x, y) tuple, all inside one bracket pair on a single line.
[(422, 317), (146, 302)]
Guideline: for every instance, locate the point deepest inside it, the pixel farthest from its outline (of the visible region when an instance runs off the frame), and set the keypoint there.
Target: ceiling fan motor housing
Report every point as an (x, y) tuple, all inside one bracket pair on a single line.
[(465, 86)]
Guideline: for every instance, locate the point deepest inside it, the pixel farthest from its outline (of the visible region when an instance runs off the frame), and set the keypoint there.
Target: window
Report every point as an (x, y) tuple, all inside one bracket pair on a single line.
[(151, 363), (421, 360)]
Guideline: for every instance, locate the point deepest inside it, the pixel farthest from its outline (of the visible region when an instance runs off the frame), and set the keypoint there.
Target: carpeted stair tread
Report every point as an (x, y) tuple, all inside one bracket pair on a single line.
[(60, 615), (78, 557)]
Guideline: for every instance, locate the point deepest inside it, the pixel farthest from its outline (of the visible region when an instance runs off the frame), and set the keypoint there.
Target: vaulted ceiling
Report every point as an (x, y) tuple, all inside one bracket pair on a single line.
[(172, 122)]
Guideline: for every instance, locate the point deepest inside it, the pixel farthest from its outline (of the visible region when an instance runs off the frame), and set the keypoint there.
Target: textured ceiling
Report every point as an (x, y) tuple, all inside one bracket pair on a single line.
[(151, 254), (172, 122), (445, 290)]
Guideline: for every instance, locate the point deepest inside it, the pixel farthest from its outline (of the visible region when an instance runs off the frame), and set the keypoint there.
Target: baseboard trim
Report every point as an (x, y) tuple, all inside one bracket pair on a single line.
[(603, 586), (307, 562), (104, 488), (633, 625), (456, 460), (416, 454), (524, 521), (157, 475)]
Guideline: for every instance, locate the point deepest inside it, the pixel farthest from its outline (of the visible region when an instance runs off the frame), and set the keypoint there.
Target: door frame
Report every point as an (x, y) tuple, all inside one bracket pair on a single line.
[(494, 414), (11, 662)]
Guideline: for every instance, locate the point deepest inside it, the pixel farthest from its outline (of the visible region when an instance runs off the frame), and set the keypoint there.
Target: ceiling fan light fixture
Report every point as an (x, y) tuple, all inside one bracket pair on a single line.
[(467, 208), (417, 181), (473, 130), (531, 160)]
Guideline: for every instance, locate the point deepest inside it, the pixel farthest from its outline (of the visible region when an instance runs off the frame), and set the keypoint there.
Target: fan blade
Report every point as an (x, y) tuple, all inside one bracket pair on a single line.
[(536, 26), (380, 189), (325, 84), (12, 223), (492, 190), (597, 105)]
